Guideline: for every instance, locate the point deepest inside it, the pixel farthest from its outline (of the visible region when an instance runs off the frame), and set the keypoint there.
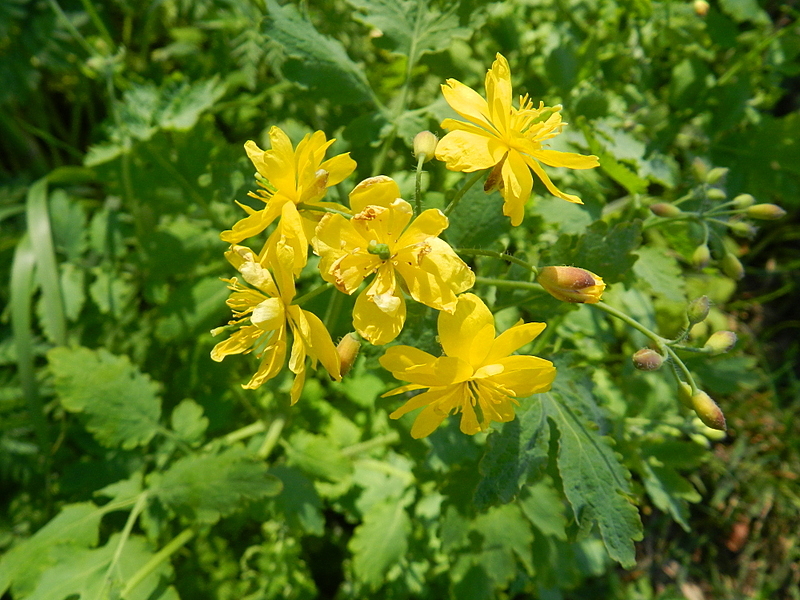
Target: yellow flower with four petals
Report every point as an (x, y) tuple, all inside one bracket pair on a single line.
[(478, 376), (380, 240), (511, 141), (293, 176), (263, 314)]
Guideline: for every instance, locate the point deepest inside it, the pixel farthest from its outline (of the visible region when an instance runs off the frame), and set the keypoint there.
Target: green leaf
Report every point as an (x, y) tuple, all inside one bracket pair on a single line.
[(607, 252), (515, 453), (82, 573), (112, 293), (661, 273), (207, 488), (188, 421), (594, 480), (411, 27), (505, 533), (195, 307), (618, 171), (477, 220), (317, 455), (544, 508), (73, 287), (77, 525), (669, 491), (121, 403), (299, 501), (380, 542), (314, 60)]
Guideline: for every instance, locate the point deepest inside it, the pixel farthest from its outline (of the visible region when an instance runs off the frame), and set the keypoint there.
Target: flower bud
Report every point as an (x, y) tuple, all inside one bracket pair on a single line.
[(742, 229), (347, 349), (720, 342), (765, 212), (685, 394), (743, 201), (700, 168), (715, 174), (698, 310), (425, 145), (647, 359), (732, 266), (663, 209), (708, 411), (571, 284), (700, 8), (716, 194), (701, 256)]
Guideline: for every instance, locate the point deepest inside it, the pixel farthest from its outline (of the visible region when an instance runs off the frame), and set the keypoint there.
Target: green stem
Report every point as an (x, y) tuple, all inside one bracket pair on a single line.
[(418, 189), (98, 22), (499, 256), (272, 437), (460, 193), (123, 538), (72, 29), (522, 285), (377, 442), (312, 294), (173, 546), (303, 206), (245, 432)]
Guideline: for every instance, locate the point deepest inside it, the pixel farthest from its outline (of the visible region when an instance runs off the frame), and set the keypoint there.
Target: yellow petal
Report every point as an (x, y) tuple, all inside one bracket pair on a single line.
[(398, 359), (339, 168), (525, 375), (570, 160), (240, 342), (322, 347), (254, 223), (269, 314), (430, 223), (377, 191), (549, 184), (498, 93), (418, 401), (517, 186), (380, 310), (513, 339), (383, 225), (472, 324), (271, 363), (403, 389), (297, 386), (468, 151), (467, 102)]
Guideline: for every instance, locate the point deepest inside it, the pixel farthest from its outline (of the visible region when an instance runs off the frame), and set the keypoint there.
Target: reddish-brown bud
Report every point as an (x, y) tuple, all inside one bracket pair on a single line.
[(572, 284), (647, 359), (347, 349), (708, 411)]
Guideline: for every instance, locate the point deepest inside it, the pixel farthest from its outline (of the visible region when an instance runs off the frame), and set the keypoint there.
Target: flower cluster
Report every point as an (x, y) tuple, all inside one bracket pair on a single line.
[(380, 245)]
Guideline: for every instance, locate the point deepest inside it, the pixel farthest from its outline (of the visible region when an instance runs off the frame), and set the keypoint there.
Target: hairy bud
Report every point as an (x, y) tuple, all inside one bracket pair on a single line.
[(701, 256), (571, 284), (720, 342), (700, 7), (664, 209), (698, 310), (708, 411), (765, 212), (685, 394), (743, 201), (732, 266), (647, 359), (425, 145), (347, 349)]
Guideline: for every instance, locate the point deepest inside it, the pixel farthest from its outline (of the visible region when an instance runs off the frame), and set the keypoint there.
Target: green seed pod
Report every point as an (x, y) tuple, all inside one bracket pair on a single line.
[(698, 310), (663, 209), (715, 174), (647, 359), (765, 212), (720, 342), (701, 256), (743, 201), (716, 194), (685, 394), (708, 411), (732, 266), (743, 229)]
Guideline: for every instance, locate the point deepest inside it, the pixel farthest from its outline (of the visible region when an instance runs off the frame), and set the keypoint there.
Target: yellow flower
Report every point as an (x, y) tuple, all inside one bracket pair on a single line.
[(380, 240), (572, 284), (262, 315), (508, 139), (292, 177), (477, 376)]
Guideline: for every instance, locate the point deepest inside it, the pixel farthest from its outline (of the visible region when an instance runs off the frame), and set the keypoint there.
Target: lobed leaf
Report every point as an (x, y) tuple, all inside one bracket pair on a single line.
[(380, 541)]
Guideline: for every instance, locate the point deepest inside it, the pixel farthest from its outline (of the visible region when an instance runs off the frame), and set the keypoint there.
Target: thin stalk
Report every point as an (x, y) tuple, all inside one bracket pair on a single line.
[(311, 207), (123, 538), (173, 546), (377, 442), (499, 256), (68, 24), (272, 437), (460, 193), (418, 188), (522, 285), (98, 23), (312, 294), (245, 432)]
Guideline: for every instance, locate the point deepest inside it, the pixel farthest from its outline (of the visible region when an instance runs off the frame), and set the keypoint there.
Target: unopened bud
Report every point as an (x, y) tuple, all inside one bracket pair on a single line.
[(743, 229), (700, 168), (425, 145), (708, 411), (715, 174), (664, 209), (720, 342), (571, 284), (685, 394), (647, 359), (743, 201), (701, 256), (765, 212), (700, 8), (347, 349), (732, 266), (698, 310), (716, 194)]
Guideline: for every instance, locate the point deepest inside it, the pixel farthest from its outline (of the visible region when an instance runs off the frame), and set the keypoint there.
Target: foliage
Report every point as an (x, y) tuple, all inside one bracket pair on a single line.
[(134, 466)]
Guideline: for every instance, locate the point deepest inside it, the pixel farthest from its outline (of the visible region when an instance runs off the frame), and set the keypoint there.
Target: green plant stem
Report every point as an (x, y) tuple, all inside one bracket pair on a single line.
[(499, 256), (98, 23), (68, 24), (311, 207), (418, 187), (522, 285), (377, 442), (245, 432), (173, 546), (312, 294), (460, 193), (272, 437), (123, 538)]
